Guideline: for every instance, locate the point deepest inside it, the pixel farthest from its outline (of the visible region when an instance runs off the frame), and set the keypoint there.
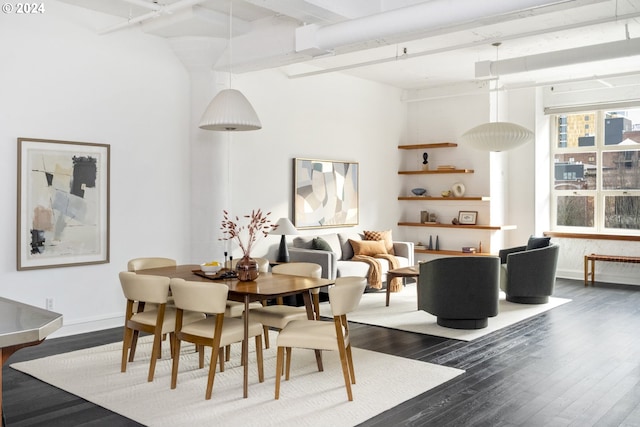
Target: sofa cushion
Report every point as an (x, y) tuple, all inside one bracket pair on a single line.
[(306, 242), (368, 247), (347, 250), (537, 242), (381, 235), (320, 244)]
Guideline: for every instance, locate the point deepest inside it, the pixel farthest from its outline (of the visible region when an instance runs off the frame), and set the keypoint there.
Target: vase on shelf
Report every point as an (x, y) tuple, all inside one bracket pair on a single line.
[(247, 269)]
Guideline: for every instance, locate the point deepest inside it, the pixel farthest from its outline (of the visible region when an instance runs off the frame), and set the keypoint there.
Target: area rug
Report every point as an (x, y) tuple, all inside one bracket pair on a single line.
[(309, 398), (403, 314)]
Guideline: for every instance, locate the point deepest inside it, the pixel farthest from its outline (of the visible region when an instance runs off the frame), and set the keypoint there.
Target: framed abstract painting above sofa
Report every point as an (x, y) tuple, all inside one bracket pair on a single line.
[(325, 193)]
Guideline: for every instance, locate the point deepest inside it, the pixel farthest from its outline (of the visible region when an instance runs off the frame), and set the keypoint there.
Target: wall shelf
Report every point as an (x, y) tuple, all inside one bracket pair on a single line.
[(425, 146), (435, 171), (445, 199), (460, 226)]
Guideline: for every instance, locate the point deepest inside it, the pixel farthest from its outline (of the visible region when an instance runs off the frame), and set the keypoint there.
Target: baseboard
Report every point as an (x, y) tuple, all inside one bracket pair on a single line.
[(600, 277), (82, 326)]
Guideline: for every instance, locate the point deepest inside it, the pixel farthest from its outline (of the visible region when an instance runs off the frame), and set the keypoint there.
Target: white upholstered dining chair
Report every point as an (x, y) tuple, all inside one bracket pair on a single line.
[(140, 290), (278, 315), (344, 298), (215, 331)]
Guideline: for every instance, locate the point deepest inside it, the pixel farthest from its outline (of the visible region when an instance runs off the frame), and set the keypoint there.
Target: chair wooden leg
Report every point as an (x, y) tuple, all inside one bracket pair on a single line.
[(266, 336), (288, 367), (174, 367), (155, 355), (350, 361), (200, 349), (259, 358), (134, 344), (345, 369), (212, 372), (279, 362), (126, 344), (227, 353), (220, 358)]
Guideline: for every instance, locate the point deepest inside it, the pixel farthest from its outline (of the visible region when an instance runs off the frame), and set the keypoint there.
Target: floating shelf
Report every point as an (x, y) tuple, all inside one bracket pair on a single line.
[(431, 198), (454, 253), (435, 171), (424, 146), (475, 227)]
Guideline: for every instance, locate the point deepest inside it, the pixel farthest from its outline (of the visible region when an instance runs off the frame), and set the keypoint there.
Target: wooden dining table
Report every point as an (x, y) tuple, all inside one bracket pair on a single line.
[(267, 286)]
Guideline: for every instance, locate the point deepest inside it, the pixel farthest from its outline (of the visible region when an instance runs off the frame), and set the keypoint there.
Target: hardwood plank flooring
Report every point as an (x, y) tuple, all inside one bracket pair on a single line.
[(576, 365)]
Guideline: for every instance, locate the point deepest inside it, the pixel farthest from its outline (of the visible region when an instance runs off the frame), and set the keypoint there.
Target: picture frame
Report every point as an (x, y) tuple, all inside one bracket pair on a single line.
[(325, 193), (63, 203), (467, 217)]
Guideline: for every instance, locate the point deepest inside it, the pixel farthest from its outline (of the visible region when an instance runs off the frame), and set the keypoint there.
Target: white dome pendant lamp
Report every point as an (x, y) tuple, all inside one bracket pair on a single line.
[(497, 136), (230, 110)]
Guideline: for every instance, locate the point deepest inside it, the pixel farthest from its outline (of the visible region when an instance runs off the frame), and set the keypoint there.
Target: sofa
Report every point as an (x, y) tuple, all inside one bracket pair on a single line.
[(336, 258), (528, 273), (462, 292)]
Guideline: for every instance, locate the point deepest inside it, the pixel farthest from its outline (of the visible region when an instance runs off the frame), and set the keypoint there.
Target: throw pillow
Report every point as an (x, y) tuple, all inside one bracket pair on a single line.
[(368, 247), (320, 244), (381, 235), (537, 242)]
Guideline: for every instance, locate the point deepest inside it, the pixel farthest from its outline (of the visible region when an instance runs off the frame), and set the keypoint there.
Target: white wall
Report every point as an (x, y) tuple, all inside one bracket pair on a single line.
[(62, 81), (129, 90)]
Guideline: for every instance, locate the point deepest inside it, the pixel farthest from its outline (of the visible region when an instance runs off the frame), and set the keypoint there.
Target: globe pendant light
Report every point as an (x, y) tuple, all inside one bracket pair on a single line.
[(230, 110), (497, 136)]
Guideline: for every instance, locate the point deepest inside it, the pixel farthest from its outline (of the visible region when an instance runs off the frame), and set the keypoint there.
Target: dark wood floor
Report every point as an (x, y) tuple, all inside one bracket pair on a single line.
[(576, 365)]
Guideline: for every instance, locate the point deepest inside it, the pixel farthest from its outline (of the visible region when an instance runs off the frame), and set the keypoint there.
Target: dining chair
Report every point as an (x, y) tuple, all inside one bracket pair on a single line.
[(215, 331), (140, 290), (344, 298), (278, 315), (136, 264)]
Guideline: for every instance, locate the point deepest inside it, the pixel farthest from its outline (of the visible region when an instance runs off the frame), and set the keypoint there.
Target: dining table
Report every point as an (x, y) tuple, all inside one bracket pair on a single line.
[(267, 286)]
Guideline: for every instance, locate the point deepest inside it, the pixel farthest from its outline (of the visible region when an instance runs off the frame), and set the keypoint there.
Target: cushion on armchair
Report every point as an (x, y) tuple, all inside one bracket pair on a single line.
[(537, 242)]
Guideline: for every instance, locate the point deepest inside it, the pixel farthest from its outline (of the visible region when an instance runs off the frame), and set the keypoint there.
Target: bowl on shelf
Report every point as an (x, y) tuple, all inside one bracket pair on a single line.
[(419, 191), (210, 267)]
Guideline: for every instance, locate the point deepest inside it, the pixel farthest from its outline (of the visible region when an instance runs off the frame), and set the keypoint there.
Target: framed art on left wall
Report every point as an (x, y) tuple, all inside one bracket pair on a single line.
[(63, 203)]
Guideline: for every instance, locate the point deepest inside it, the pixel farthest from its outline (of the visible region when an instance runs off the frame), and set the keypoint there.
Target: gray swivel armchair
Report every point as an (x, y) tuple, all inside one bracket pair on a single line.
[(462, 292), (528, 276)]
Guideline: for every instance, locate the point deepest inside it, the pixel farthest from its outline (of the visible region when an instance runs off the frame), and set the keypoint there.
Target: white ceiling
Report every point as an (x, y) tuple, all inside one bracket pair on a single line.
[(443, 39)]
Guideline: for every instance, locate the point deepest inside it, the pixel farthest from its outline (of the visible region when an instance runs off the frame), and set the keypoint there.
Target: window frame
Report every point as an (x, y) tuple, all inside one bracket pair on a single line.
[(599, 193)]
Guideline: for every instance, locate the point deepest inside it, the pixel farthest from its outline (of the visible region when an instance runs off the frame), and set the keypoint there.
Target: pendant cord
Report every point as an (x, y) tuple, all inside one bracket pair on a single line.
[(230, 40), (497, 45)]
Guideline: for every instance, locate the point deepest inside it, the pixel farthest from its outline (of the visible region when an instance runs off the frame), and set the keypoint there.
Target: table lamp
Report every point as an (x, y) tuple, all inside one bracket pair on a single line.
[(284, 227)]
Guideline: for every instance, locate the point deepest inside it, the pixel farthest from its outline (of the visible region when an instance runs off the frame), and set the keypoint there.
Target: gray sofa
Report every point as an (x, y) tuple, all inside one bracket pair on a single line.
[(335, 263)]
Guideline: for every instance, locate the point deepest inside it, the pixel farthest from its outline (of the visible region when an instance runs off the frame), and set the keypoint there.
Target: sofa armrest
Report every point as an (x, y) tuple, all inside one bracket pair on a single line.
[(404, 249), (326, 259), (503, 253)]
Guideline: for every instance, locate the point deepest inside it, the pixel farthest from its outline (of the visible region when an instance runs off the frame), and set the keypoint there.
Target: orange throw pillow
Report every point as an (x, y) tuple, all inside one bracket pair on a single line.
[(368, 247), (381, 235)]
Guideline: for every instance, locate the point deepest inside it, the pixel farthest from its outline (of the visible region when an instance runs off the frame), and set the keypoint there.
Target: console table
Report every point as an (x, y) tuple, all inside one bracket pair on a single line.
[(23, 325)]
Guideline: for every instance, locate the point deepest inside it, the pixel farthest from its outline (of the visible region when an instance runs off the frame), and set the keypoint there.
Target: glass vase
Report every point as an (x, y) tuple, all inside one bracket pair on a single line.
[(247, 269)]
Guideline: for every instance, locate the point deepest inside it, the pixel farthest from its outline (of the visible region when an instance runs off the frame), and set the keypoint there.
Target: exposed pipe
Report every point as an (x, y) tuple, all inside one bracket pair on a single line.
[(163, 10), (145, 4), (579, 55), (430, 15)]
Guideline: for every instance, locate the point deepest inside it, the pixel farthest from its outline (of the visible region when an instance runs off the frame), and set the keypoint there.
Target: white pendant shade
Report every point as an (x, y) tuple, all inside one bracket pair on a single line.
[(497, 136), (230, 110)]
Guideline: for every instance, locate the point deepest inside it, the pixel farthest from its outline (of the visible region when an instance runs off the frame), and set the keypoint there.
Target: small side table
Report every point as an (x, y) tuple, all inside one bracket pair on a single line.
[(413, 271)]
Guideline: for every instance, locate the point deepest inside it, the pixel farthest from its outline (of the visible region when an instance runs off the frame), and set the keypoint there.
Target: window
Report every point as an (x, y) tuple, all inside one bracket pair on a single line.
[(596, 172)]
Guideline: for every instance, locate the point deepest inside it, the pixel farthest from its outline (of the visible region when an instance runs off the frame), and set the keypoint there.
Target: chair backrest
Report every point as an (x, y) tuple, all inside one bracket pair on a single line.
[(140, 287), (263, 264), (307, 269), (152, 262), (198, 296), (345, 296)]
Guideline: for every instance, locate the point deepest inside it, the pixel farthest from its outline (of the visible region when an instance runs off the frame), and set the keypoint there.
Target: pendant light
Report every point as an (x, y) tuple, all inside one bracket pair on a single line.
[(497, 136), (230, 110)]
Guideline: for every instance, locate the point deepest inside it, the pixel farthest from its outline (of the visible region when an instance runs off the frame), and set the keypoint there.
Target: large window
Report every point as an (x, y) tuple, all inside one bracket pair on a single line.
[(596, 172)]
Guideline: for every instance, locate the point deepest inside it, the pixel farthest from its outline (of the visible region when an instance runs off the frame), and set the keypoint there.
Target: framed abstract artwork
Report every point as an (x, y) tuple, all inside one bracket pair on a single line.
[(63, 203), (325, 193)]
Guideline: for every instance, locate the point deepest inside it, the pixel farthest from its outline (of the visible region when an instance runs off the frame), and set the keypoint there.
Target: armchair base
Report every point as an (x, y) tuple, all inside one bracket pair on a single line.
[(463, 323), (529, 300)]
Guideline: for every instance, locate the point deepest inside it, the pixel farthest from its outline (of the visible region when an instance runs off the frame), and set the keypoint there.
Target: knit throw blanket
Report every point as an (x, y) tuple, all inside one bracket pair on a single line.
[(375, 274)]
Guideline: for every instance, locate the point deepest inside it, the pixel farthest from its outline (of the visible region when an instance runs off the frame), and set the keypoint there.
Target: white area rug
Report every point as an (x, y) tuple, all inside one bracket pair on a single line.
[(403, 314), (309, 398)]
